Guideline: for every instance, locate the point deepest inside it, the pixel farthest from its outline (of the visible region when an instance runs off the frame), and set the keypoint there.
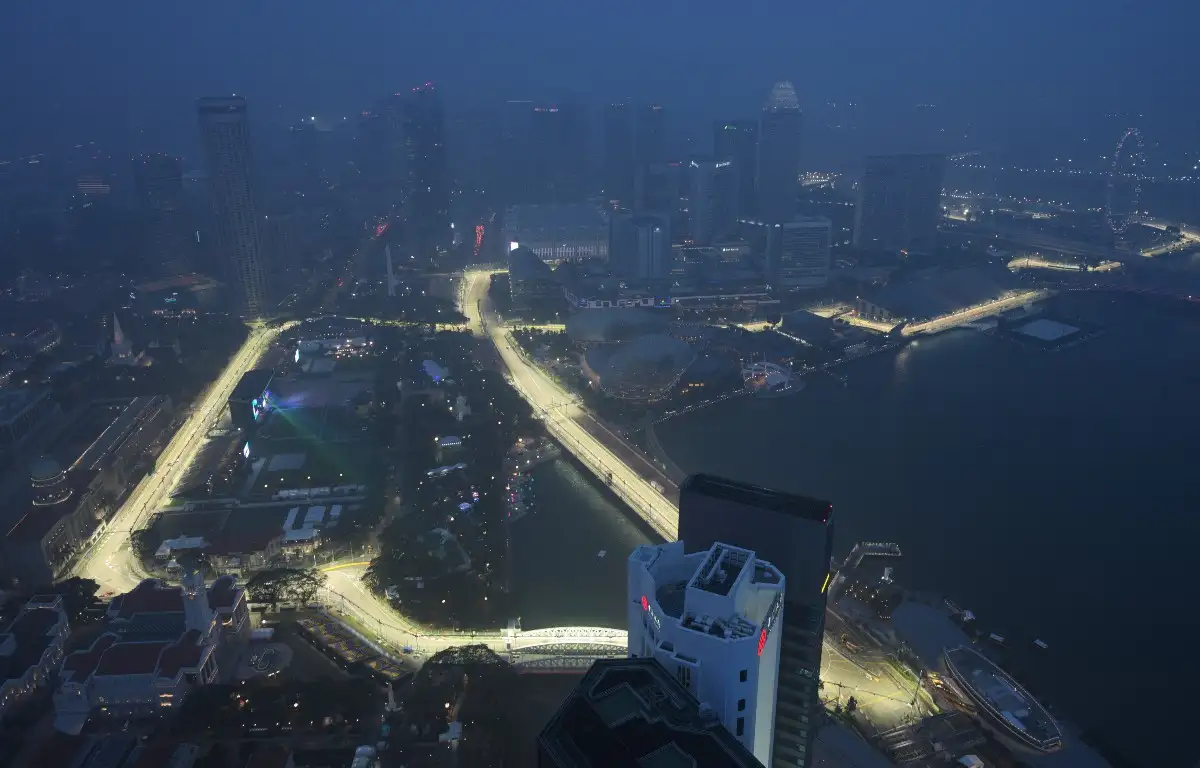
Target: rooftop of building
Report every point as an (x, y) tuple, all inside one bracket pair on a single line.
[(935, 292), (524, 264), (31, 633), (252, 384), (153, 596), (14, 402), (628, 713), (749, 495), (270, 755), (551, 219)]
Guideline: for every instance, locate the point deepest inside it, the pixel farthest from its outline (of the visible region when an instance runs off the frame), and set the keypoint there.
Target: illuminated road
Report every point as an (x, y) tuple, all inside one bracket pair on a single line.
[(564, 419), (109, 561), (970, 314), (345, 596)]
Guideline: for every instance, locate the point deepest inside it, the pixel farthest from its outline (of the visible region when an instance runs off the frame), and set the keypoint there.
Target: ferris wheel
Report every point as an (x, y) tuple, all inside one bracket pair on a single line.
[(1125, 182)]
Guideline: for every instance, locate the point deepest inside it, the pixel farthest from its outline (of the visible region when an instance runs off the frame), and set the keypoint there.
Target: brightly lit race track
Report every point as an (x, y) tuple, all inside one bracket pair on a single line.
[(109, 561), (562, 415)]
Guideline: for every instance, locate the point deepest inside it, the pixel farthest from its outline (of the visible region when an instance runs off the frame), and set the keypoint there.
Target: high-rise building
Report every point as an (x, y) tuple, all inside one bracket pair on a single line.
[(632, 712), (713, 200), (650, 145), (158, 179), (620, 166), (737, 140), (712, 619), (516, 138), (899, 203), (795, 534), (558, 154), (427, 210), (639, 245), (778, 169), (225, 134), (798, 253)]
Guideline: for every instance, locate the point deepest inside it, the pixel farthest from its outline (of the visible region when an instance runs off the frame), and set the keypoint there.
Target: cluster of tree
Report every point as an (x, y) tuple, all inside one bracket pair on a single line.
[(329, 706), (285, 585)]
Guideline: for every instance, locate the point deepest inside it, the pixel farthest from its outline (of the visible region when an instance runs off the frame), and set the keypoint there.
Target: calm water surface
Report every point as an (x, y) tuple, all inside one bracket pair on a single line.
[(1053, 493)]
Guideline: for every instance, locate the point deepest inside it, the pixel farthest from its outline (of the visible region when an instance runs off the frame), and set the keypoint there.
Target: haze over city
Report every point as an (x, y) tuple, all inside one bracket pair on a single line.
[(553, 384)]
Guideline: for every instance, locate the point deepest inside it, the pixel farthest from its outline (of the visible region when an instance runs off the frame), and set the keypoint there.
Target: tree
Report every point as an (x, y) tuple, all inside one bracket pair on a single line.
[(144, 544), (285, 585), (79, 598)]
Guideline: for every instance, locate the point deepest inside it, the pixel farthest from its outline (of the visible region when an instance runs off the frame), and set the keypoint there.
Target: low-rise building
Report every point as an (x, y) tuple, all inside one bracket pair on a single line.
[(31, 647), (159, 643)]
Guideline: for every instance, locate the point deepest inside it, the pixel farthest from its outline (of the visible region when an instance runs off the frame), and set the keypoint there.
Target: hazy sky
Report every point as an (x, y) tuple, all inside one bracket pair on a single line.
[(139, 63)]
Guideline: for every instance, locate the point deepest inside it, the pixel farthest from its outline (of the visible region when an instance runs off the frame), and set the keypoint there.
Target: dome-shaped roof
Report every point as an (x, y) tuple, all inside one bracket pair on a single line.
[(645, 368), (44, 468), (614, 324)]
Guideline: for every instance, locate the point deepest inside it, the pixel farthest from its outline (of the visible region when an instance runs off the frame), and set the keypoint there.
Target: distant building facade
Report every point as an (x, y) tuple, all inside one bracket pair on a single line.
[(712, 618), (899, 203), (737, 141), (570, 232), (31, 646), (640, 245), (799, 254), (778, 169), (225, 135), (427, 216), (795, 534), (713, 202)]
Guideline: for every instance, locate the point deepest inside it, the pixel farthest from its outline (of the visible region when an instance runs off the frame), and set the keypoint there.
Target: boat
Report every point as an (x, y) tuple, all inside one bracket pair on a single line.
[(768, 379), (999, 703)]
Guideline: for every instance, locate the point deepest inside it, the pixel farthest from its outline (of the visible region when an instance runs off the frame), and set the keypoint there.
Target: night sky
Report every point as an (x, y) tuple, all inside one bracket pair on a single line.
[(116, 68)]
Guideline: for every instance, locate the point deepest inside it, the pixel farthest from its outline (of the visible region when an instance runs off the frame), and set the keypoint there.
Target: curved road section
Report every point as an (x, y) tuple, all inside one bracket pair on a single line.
[(109, 561), (617, 465)]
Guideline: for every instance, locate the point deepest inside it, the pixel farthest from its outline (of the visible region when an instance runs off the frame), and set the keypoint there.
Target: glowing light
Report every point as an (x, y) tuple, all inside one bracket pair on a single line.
[(762, 641), (645, 603), (825, 586)]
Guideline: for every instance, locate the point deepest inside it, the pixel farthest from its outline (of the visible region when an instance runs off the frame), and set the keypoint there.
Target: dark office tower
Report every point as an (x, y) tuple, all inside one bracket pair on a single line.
[(899, 203), (737, 140), (650, 146), (558, 154), (794, 533), (639, 245), (427, 214), (159, 182), (516, 162), (779, 155), (619, 164), (712, 200), (225, 134)]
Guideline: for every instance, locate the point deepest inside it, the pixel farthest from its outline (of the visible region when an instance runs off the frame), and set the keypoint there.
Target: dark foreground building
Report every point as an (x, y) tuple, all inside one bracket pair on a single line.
[(795, 533), (627, 713)]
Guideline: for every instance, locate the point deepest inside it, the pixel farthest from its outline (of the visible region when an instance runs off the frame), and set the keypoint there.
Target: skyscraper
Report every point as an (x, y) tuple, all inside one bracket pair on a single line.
[(159, 182), (713, 200), (712, 618), (225, 134), (798, 253), (778, 168), (620, 166), (899, 203), (737, 140), (640, 245), (558, 154), (795, 534), (427, 211), (650, 146)]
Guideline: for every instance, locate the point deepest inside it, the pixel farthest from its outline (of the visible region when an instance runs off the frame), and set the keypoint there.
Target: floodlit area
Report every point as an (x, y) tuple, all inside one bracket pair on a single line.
[(564, 417), (977, 312), (109, 560)]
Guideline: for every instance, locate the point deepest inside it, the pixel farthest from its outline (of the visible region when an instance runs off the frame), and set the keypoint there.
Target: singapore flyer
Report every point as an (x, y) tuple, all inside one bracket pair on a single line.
[(1125, 182)]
